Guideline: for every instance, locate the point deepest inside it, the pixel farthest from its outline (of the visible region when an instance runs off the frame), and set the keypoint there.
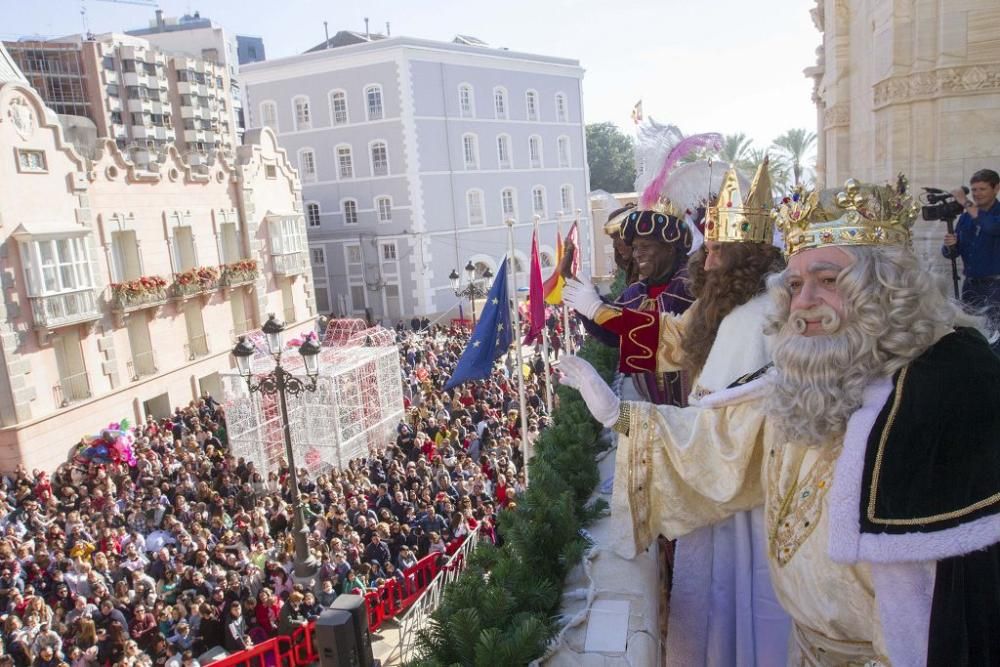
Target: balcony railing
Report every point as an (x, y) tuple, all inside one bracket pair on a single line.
[(291, 264), (240, 272), (142, 364), (127, 300), (71, 388), (194, 281), (197, 346), (59, 310)]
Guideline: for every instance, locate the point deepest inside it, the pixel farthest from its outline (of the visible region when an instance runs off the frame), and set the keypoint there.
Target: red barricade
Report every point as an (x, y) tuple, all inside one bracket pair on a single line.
[(390, 600)]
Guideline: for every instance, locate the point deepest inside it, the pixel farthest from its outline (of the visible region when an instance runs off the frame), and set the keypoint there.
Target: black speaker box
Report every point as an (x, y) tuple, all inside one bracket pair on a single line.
[(335, 640), (355, 606)]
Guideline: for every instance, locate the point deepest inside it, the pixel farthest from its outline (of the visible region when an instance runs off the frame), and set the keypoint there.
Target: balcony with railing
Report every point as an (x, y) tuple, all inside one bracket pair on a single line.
[(142, 364), (240, 272), (196, 347), (199, 280), (59, 310), (71, 389), (290, 264), (144, 292), (241, 328)]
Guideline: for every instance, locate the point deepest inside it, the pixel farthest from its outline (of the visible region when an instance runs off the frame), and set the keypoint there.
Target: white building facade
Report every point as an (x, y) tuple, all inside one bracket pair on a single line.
[(413, 154)]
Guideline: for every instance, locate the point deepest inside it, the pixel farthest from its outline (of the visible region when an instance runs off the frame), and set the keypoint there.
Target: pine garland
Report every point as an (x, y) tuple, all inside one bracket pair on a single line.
[(503, 609)]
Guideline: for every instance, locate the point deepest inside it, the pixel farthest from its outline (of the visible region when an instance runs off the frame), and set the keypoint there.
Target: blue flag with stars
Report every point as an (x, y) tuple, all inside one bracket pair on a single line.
[(490, 339)]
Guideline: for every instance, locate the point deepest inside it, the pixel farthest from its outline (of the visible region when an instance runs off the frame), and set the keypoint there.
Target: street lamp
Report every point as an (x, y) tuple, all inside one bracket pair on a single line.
[(280, 382), (472, 290)]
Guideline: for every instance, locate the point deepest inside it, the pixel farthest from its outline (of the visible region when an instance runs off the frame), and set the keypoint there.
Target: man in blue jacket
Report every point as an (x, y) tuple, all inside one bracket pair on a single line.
[(977, 241)]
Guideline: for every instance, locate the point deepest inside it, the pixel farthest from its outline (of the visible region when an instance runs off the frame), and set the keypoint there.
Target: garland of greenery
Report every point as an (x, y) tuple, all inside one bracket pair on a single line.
[(503, 609)]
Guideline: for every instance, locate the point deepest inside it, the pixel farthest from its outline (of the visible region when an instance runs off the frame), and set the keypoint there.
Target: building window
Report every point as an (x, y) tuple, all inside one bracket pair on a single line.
[(500, 103), (507, 204), (380, 159), (345, 163), (388, 252), (474, 202), (373, 97), (270, 171), (287, 235), (338, 107), (535, 152), (317, 256), (503, 151), (563, 148), (312, 214), (566, 198), (303, 117), (538, 200), (269, 115), (531, 104), (307, 164), (560, 108), (31, 161), (353, 255), (63, 265), (466, 105), (350, 208), (383, 207), (470, 150), (545, 260)]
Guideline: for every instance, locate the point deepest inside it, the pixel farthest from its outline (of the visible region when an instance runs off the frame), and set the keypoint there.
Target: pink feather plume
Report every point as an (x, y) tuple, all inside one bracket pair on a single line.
[(684, 147)]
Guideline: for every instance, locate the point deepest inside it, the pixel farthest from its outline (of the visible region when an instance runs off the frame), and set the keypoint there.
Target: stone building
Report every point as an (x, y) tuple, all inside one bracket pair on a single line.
[(124, 288), (907, 86)]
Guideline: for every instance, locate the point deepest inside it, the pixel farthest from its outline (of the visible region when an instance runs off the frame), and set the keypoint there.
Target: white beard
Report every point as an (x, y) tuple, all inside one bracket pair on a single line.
[(820, 379)]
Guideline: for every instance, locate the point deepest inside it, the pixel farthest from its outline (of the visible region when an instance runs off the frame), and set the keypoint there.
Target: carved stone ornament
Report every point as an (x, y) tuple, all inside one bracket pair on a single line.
[(945, 82), (837, 115), (23, 118)]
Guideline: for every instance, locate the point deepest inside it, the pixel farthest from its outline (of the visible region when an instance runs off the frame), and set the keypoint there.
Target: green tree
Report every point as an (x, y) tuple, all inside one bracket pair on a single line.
[(611, 157), (736, 150), (794, 145)]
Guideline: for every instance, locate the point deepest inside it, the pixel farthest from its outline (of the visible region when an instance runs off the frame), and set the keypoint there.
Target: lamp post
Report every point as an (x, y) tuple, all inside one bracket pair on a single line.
[(280, 382), (472, 290)]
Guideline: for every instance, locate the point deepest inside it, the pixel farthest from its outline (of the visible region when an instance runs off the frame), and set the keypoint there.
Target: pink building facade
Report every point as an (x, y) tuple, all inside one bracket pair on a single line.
[(123, 288)]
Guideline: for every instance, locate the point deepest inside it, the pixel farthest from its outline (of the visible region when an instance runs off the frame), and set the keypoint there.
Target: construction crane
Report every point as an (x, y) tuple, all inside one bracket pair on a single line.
[(83, 9)]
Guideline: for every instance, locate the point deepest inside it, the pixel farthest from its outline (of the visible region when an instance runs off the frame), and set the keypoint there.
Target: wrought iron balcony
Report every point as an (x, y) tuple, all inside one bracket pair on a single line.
[(142, 364), (71, 388)]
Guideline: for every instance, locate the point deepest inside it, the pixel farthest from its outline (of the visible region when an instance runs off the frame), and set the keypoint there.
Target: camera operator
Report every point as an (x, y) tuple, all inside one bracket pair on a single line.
[(977, 241)]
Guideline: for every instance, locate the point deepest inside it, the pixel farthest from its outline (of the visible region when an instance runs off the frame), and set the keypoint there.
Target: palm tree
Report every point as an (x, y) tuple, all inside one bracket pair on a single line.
[(777, 167), (735, 150), (794, 145)]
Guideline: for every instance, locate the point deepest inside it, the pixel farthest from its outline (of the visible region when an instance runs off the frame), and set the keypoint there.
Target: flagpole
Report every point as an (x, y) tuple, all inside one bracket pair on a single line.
[(567, 339), (545, 342), (512, 288)]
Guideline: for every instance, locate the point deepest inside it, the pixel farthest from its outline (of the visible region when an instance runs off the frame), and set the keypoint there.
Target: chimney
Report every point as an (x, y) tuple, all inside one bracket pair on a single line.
[(388, 33), (326, 33), (159, 18), (368, 35)]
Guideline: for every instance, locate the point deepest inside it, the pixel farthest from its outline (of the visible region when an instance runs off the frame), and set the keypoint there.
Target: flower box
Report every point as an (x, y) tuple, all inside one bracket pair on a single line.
[(138, 293), (195, 281)]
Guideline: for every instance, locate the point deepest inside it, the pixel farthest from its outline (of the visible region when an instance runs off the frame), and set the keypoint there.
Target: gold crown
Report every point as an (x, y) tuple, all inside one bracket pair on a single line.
[(734, 219), (613, 226), (859, 215)]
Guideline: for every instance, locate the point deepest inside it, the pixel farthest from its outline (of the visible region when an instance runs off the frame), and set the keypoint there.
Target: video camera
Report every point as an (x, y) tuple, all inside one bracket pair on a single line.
[(941, 205)]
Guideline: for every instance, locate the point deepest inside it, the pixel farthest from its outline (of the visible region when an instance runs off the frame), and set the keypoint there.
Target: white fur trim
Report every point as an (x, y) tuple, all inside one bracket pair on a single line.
[(848, 545), (843, 498), (904, 593)]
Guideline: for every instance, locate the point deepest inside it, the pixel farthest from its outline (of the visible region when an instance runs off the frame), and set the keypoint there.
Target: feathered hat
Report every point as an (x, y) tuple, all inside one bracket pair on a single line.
[(660, 216)]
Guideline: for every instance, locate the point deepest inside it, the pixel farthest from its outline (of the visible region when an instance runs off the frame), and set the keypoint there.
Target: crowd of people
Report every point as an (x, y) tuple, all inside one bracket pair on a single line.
[(185, 548)]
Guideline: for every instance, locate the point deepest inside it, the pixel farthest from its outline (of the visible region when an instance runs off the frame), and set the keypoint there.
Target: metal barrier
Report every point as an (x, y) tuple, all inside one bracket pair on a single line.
[(420, 610), (389, 601)]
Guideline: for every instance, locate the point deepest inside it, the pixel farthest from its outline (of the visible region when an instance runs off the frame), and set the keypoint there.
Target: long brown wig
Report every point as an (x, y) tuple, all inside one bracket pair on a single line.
[(739, 278)]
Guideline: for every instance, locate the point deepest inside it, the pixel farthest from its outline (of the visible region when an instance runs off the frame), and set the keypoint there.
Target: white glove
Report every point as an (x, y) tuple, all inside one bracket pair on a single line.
[(581, 297), (600, 399)]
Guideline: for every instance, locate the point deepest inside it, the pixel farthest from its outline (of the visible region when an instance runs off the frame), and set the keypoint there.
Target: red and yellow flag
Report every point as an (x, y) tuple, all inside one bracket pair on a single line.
[(553, 286)]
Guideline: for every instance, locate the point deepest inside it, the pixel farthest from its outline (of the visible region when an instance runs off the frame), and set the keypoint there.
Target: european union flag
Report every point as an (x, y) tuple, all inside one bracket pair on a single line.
[(490, 339)]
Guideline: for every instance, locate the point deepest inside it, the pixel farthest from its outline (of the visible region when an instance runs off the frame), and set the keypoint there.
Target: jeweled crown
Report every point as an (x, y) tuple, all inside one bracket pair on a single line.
[(861, 214), (735, 219)]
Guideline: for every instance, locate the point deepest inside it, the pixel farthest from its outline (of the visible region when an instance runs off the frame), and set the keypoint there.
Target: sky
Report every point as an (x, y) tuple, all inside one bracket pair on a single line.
[(706, 66)]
